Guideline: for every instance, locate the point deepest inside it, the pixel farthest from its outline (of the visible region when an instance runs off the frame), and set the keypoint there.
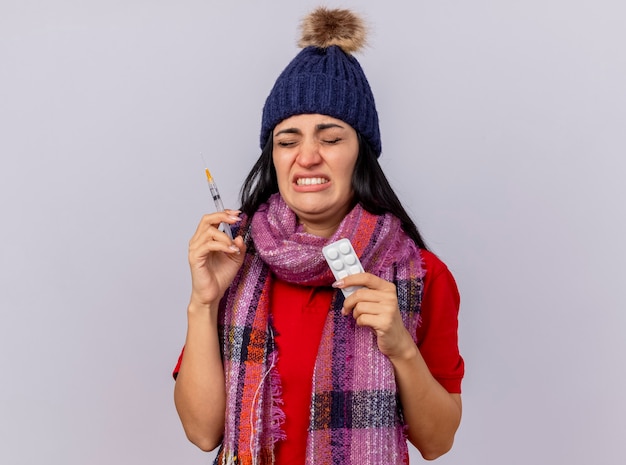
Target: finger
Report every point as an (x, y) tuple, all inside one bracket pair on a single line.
[(211, 237), (364, 280), (357, 307), (215, 241), (229, 216), (209, 226), (379, 321), (238, 247), (384, 299), (372, 308), (240, 244), (213, 220), (215, 246), (224, 226), (366, 320), (217, 235)]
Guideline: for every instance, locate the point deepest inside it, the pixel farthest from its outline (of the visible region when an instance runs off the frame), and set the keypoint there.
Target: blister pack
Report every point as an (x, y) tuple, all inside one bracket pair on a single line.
[(343, 261)]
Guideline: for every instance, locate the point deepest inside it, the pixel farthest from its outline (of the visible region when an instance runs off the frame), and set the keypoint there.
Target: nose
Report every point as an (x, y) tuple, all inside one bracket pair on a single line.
[(309, 154)]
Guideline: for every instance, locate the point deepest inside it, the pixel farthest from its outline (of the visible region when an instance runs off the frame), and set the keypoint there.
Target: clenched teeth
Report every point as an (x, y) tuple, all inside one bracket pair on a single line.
[(311, 181)]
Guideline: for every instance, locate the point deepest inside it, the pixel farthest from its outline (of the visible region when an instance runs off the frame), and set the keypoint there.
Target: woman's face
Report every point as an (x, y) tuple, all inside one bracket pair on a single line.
[(314, 156)]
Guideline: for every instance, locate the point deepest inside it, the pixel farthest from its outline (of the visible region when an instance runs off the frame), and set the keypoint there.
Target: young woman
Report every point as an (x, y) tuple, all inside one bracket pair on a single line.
[(278, 366)]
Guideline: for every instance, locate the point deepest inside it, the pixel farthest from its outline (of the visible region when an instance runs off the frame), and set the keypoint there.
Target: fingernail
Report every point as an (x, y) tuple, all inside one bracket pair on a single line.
[(234, 248), (338, 283), (234, 218), (343, 311)]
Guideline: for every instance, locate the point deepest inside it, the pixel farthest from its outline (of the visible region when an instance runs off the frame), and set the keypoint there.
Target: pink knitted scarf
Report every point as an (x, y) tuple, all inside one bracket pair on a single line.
[(355, 416)]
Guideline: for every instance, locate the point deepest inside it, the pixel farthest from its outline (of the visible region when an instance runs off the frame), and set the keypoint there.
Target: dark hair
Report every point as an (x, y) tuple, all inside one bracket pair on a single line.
[(370, 185), (261, 182)]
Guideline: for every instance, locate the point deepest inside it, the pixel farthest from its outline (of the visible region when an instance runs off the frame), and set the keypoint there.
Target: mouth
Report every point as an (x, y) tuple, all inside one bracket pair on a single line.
[(311, 181)]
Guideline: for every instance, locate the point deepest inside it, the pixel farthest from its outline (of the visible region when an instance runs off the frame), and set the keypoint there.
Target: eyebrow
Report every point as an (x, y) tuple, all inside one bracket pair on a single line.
[(318, 127), (321, 127)]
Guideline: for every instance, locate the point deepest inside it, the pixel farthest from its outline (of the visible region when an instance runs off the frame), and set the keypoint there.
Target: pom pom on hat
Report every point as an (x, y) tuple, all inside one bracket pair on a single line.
[(325, 77), (324, 28)]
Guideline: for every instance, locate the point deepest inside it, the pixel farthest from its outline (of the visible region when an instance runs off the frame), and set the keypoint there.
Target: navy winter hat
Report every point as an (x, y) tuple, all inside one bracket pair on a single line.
[(325, 78)]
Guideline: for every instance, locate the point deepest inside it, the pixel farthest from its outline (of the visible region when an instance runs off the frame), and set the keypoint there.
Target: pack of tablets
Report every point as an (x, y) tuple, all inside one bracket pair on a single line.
[(343, 261)]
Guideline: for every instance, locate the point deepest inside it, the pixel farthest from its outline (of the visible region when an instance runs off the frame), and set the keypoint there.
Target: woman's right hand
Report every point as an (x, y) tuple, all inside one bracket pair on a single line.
[(214, 258), (200, 393)]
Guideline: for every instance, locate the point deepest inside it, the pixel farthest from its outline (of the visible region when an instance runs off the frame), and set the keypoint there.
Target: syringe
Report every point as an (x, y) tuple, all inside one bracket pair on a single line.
[(218, 201)]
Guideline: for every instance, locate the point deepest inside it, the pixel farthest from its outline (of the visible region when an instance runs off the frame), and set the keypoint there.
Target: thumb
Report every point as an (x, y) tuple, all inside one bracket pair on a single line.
[(241, 245)]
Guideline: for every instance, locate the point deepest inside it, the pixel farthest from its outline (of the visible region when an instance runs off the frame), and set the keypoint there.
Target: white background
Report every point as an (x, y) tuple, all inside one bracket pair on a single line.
[(504, 133)]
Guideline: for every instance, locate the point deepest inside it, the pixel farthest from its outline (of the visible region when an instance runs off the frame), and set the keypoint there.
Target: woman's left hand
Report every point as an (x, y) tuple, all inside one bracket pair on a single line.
[(375, 305)]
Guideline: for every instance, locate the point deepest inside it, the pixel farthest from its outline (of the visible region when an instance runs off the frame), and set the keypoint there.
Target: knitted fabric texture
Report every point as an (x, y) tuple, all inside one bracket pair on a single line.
[(327, 81), (355, 416)]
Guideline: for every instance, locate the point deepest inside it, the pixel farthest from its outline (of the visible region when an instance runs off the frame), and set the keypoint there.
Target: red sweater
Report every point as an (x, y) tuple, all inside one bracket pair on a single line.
[(299, 313)]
